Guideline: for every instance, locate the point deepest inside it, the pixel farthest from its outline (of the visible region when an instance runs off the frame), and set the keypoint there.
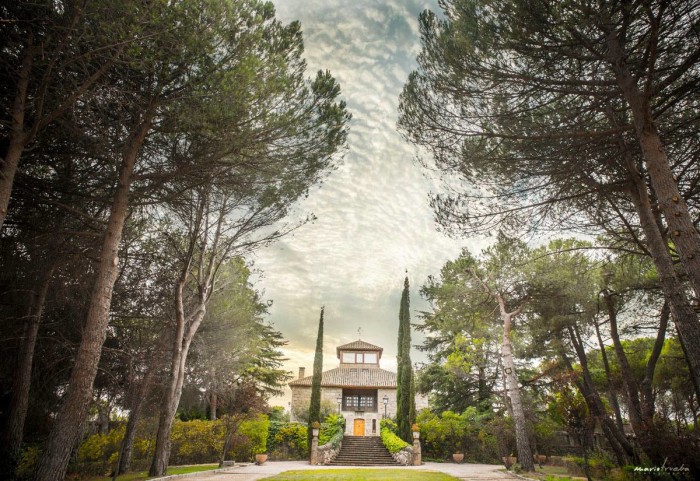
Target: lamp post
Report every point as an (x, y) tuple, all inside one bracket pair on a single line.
[(340, 401), (386, 402)]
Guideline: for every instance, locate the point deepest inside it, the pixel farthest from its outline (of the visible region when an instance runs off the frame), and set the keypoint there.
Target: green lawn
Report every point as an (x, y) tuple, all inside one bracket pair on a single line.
[(361, 475)]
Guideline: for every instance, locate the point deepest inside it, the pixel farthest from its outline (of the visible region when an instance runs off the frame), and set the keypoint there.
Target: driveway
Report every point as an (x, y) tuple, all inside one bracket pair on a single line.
[(251, 472)]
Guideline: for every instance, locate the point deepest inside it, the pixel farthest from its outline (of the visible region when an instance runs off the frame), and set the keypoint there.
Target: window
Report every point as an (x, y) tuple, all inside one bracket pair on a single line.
[(359, 357), (360, 400)]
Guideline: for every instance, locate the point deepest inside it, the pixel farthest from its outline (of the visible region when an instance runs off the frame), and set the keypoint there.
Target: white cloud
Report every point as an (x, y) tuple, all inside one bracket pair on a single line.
[(374, 221)]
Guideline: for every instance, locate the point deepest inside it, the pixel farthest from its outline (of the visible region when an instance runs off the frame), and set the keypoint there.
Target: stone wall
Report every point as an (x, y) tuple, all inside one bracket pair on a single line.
[(327, 453), (404, 457), (421, 402), (391, 405), (301, 397)]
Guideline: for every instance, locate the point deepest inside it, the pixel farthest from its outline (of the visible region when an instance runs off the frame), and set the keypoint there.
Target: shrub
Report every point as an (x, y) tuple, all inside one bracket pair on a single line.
[(195, 441), (99, 452), (387, 423), (332, 430), (250, 439), (393, 443), (27, 463), (472, 432), (288, 441)]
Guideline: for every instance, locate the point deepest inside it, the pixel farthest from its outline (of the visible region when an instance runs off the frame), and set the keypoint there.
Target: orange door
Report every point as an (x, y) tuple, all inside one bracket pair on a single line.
[(359, 427)]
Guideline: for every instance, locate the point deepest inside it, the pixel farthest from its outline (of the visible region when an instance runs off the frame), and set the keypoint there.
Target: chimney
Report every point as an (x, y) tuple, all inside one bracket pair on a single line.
[(301, 372)]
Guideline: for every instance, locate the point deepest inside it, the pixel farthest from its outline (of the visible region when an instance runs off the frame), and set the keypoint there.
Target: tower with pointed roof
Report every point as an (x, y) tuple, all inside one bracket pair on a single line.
[(362, 391)]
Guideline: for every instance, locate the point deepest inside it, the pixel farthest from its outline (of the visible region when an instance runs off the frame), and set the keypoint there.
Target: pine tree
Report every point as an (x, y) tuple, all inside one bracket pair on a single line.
[(315, 406), (405, 398)]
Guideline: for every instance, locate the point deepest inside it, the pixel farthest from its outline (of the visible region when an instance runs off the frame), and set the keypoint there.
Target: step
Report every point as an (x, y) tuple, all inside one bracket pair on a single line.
[(363, 451)]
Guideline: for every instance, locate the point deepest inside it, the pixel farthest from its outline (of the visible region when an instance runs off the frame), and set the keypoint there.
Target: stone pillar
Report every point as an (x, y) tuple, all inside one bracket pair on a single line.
[(314, 448), (416, 449)]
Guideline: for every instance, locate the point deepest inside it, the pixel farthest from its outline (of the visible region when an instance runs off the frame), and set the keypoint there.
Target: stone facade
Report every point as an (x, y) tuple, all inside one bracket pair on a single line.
[(361, 384)]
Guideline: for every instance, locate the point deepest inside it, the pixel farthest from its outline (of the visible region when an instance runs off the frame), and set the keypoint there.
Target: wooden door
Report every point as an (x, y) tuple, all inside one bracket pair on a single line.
[(359, 427)]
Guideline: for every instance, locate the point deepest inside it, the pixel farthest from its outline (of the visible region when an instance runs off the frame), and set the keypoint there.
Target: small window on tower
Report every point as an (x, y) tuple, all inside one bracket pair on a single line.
[(349, 357), (371, 358)]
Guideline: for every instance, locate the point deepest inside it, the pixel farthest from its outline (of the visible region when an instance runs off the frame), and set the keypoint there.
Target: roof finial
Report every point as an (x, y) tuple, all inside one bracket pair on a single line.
[(359, 333)]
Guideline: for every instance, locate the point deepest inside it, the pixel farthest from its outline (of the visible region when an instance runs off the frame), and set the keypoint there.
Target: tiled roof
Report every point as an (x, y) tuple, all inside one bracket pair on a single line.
[(359, 345), (352, 377)]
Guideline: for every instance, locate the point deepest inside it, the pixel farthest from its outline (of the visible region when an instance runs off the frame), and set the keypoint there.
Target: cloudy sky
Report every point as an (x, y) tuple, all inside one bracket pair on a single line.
[(374, 222)]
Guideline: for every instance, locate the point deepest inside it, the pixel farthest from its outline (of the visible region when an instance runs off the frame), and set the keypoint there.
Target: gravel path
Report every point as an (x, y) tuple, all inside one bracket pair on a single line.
[(251, 472)]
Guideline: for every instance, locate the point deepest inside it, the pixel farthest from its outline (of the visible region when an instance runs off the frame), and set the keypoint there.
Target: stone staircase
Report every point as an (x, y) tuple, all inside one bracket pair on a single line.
[(363, 451)]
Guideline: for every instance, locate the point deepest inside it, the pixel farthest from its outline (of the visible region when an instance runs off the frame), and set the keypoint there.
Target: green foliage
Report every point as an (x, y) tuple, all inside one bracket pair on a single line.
[(462, 340), (332, 431), (235, 343), (387, 431), (473, 433), (278, 413), (251, 438), (288, 440), (315, 403), (195, 440), (100, 446), (405, 383), (27, 462), (192, 442)]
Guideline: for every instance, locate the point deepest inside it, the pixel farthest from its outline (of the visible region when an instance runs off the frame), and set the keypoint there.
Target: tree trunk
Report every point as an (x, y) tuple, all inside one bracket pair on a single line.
[(684, 315), (643, 428), (19, 403), (646, 386), (172, 396), (625, 370), (522, 440), (672, 205), (589, 396), (136, 408), (213, 397), (17, 138), (66, 431), (159, 465), (622, 447), (612, 392)]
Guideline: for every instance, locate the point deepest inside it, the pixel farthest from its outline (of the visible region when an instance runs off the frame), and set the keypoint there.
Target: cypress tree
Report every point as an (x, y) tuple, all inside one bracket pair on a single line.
[(315, 405), (405, 398)]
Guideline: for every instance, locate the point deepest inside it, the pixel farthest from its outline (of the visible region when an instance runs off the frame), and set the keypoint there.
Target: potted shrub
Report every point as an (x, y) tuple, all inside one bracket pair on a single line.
[(454, 435), (260, 458)]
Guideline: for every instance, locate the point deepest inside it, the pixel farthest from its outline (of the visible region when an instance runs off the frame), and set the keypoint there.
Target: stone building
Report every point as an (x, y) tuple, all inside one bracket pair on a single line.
[(363, 391)]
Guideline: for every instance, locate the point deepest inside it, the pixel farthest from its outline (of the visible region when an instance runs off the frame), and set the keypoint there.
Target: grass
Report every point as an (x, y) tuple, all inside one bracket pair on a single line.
[(142, 475), (553, 473), (360, 475)]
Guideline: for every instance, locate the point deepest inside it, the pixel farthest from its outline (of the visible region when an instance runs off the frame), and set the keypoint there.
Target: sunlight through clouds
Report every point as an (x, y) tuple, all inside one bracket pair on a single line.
[(373, 219)]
